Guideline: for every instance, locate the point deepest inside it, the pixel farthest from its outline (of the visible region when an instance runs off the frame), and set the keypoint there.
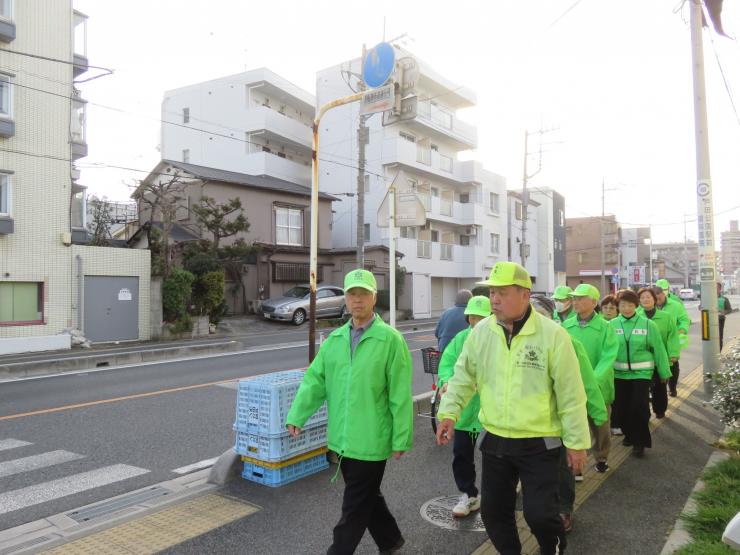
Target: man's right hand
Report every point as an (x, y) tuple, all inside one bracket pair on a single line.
[(294, 431), (445, 431)]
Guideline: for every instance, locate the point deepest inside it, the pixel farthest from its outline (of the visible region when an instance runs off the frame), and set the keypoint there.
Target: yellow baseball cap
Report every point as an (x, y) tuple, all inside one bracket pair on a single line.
[(360, 278), (478, 306), (508, 273), (586, 290), (562, 293)]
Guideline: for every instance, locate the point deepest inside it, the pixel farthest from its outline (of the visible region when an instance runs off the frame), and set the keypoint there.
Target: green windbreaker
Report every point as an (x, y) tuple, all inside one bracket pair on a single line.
[(641, 349), (468, 421), (595, 405)]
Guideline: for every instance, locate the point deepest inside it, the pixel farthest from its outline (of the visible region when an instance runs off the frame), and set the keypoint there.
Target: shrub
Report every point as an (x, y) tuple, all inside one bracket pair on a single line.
[(176, 292), (213, 291), (726, 397), (201, 264), (384, 299), (184, 324)]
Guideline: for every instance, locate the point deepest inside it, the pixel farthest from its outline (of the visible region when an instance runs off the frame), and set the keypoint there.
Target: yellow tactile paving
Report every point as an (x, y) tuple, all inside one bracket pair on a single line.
[(592, 479), (158, 531)]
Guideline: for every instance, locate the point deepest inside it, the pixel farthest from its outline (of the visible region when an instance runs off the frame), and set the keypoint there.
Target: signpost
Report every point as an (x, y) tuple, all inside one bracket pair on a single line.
[(377, 100)]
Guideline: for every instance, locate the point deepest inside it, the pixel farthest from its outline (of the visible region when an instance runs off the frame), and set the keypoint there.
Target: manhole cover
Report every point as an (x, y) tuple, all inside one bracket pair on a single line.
[(438, 511)]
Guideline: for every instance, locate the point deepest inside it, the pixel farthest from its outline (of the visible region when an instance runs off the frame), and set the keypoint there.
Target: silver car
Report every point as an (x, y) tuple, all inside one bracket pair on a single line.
[(293, 305)]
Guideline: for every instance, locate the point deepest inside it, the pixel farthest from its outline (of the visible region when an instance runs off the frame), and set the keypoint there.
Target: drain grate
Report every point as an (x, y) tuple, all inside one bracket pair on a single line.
[(86, 514), (438, 511), (27, 545)]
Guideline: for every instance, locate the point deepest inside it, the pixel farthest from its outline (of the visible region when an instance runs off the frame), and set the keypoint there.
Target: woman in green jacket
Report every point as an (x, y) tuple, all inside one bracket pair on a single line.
[(669, 334), (641, 352), (463, 447)]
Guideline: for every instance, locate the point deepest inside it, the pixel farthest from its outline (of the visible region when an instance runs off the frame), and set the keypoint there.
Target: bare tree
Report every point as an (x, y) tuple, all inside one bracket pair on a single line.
[(161, 199), (100, 221)]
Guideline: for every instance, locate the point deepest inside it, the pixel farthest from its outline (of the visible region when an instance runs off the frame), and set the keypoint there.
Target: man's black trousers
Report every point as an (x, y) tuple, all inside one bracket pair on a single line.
[(363, 508), (632, 400), (538, 473)]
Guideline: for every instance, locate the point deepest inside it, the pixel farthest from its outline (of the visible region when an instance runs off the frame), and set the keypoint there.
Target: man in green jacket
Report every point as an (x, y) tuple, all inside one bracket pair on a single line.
[(665, 285), (463, 447), (678, 311), (364, 372), (532, 399), (601, 345), (563, 304), (723, 308)]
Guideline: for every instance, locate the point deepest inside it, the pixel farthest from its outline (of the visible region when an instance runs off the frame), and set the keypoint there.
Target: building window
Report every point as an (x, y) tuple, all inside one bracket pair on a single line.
[(4, 194), (493, 200), (464, 240), (435, 192), (464, 198), (435, 236), (367, 232), (6, 96), (6, 10), (581, 257), (561, 215), (495, 240), (21, 302), (408, 232), (407, 136), (367, 183), (186, 155), (288, 226), (186, 115)]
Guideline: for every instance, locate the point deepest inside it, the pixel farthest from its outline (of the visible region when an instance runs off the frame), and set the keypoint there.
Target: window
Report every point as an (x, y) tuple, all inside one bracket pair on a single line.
[(6, 9), (6, 96), (445, 163), (464, 240), (464, 198), (266, 149), (407, 136), (21, 302), (288, 226), (4, 193), (581, 257), (186, 155), (495, 240), (281, 155), (408, 232), (367, 183), (325, 293), (493, 199), (435, 236), (561, 215), (435, 192), (367, 232), (186, 115)]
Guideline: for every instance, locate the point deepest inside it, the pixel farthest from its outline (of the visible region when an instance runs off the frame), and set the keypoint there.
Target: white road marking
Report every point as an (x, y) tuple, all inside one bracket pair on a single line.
[(34, 462), (195, 466), (6, 444), (69, 485)]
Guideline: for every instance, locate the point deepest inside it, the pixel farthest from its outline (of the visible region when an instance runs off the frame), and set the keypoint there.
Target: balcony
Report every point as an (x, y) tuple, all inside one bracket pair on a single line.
[(264, 163), (452, 212), (78, 129), (429, 162), (442, 259), (80, 64), (444, 126), (289, 130)]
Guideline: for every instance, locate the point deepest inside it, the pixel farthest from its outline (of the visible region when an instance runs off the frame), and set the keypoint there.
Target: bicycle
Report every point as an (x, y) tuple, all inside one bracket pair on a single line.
[(430, 358)]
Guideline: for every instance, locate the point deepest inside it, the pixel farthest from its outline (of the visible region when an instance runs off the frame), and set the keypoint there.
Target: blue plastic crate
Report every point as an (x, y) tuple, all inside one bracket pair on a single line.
[(263, 403), (273, 449), (276, 477)]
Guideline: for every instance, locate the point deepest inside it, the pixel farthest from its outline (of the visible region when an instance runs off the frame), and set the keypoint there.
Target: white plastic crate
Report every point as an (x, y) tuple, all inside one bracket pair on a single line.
[(276, 477), (272, 449), (263, 403)]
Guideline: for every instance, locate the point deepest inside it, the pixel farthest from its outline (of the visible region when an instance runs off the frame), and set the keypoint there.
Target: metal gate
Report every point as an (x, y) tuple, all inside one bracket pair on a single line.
[(111, 308)]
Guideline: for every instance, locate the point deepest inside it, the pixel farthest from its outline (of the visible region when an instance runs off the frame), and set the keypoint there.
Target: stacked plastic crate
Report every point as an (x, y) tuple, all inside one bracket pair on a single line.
[(271, 457)]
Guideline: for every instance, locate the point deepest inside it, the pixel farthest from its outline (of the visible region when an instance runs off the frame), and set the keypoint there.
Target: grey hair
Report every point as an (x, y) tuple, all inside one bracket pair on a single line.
[(543, 303), (463, 296)]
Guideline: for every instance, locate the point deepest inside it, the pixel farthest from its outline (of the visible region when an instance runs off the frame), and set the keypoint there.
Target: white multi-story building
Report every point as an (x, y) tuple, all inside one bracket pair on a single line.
[(46, 281), (256, 123), (465, 233)]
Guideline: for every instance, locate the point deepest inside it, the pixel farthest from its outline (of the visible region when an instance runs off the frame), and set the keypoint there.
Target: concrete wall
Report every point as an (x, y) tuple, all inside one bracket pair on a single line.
[(106, 261)]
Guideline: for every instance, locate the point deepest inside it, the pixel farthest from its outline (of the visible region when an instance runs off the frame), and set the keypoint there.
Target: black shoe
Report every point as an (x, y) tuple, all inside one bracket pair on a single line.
[(626, 442), (638, 452), (673, 393), (602, 466), (659, 415), (399, 545)]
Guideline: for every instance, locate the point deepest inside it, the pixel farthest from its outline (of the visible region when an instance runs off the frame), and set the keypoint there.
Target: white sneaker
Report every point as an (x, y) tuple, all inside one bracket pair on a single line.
[(466, 505), (579, 477), (617, 431)]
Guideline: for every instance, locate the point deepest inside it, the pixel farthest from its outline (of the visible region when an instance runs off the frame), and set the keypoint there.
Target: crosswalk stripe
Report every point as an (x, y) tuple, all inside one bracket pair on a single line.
[(69, 485), (34, 462), (6, 444)]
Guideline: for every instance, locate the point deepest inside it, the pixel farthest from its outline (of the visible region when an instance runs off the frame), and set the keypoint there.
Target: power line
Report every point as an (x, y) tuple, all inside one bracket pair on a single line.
[(57, 60), (724, 79)]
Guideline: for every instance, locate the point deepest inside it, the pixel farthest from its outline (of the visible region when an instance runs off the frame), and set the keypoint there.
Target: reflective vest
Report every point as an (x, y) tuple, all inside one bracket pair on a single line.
[(641, 349)]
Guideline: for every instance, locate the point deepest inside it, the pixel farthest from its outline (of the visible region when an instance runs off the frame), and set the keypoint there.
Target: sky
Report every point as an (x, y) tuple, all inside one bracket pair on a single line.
[(609, 81)]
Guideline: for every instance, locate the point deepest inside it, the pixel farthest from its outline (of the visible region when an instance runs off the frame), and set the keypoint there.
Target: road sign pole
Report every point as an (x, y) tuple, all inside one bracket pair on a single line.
[(392, 252), (314, 250), (705, 209)]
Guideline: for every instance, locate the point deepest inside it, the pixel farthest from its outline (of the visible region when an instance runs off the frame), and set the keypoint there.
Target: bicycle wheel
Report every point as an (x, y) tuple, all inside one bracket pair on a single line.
[(434, 405)]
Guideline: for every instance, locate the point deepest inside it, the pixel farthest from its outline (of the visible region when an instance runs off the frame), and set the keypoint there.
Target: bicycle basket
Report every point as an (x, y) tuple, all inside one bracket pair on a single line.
[(430, 356)]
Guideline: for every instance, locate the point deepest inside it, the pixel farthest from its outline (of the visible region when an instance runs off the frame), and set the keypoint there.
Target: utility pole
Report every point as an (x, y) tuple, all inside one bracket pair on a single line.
[(601, 234), (363, 138), (704, 205), (685, 256), (650, 276)]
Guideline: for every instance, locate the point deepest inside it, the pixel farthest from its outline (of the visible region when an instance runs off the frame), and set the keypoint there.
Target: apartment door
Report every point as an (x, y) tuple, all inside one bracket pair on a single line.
[(421, 307), (437, 294), (111, 308)]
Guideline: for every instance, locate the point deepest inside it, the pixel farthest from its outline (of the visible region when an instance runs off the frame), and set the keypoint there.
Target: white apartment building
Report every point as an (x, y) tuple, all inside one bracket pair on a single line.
[(256, 123), (465, 233), (47, 283)]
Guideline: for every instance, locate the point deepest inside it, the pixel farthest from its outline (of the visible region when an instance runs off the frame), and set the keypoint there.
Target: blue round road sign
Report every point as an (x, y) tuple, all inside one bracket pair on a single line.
[(378, 65)]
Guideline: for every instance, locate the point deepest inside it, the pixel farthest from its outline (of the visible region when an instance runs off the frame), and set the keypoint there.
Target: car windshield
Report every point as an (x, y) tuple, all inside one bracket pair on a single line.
[(297, 292)]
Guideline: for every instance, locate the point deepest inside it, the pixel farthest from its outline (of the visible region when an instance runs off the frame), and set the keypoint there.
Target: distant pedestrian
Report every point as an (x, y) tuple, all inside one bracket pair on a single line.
[(665, 285), (609, 307), (532, 399), (563, 304), (669, 334), (641, 351), (723, 308), (363, 371), (452, 320), (468, 426)]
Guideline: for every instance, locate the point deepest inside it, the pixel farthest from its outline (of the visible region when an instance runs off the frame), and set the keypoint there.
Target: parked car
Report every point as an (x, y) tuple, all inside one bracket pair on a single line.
[(687, 294), (292, 306)]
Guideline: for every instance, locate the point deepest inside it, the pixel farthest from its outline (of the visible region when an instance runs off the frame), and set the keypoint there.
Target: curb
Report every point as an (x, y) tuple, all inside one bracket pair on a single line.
[(679, 536)]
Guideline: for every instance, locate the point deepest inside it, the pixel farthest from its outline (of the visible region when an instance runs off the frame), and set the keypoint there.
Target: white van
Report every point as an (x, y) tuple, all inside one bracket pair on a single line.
[(687, 294)]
